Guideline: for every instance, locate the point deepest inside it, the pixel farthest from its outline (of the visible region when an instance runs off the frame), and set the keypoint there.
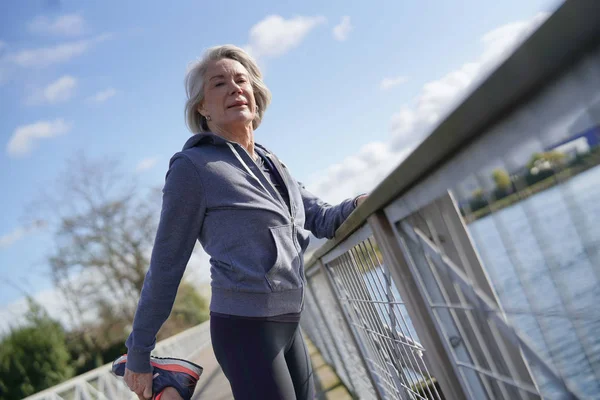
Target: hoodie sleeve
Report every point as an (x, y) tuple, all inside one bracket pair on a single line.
[(181, 218), (323, 219)]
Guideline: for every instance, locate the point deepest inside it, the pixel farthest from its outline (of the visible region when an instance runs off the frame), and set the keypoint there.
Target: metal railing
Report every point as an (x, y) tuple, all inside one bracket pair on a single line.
[(473, 270), (101, 384)]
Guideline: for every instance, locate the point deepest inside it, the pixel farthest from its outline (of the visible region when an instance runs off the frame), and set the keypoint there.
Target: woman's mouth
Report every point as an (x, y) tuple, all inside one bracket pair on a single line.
[(238, 104)]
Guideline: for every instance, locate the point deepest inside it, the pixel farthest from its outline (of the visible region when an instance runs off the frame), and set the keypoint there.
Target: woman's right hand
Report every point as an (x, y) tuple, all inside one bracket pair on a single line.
[(139, 383)]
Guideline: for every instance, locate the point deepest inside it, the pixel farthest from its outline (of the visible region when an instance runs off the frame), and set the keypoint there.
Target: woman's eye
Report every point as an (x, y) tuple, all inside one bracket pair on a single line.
[(219, 84)]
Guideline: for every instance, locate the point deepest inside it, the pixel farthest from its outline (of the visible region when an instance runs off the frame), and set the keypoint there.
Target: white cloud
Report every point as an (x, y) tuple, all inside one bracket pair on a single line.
[(388, 83), (24, 137), (66, 25), (275, 35), (103, 95), (501, 41), (146, 164), (58, 91), (342, 30), (358, 173), (19, 233), (45, 56), (9, 239), (413, 122)]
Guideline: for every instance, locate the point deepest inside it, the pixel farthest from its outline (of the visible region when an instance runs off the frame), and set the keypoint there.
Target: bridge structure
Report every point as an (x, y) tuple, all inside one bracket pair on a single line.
[(446, 283)]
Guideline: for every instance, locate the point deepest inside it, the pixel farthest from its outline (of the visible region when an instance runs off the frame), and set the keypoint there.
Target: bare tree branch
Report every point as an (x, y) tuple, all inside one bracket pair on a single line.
[(103, 230)]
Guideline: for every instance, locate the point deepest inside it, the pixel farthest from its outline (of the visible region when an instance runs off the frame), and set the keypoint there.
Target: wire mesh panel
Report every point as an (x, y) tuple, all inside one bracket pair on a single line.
[(318, 329), (380, 321), (312, 325), (359, 381)]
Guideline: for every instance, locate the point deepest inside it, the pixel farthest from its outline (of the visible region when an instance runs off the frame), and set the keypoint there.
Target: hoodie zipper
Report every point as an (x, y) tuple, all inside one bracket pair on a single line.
[(293, 207), (237, 155), (280, 200), (290, 211)]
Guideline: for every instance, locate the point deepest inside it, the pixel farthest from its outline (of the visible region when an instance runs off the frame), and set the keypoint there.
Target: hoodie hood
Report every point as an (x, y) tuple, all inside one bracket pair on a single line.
[(212, 138), (202, 138)]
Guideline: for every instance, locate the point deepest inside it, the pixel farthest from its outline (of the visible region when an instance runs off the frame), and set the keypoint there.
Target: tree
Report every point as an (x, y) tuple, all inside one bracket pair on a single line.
[(478, 200), (103, 234), (33, 357), (543, 165), (547, 160), (190, 309), (503, 183), (501, 179), (104, 229), (478, 193)]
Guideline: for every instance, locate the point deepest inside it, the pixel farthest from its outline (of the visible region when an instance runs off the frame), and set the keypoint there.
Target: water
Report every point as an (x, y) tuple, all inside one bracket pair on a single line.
[(543, 257)]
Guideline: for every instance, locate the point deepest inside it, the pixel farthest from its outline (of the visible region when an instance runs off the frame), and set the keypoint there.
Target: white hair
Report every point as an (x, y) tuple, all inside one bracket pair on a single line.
[(194, 85)]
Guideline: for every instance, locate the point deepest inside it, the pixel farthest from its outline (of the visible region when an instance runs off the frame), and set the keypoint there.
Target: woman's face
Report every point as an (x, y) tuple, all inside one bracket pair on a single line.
[(228, 95)]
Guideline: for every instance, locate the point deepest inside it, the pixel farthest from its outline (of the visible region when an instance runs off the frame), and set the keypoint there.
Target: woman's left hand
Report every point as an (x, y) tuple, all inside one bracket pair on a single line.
[(361, 199)]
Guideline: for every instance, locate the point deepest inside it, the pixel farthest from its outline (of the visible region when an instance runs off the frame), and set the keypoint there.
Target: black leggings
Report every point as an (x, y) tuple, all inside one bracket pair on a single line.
[(265, 360)]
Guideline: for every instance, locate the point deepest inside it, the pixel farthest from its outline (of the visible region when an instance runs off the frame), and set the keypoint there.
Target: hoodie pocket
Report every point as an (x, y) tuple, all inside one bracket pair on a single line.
[(285, 273)]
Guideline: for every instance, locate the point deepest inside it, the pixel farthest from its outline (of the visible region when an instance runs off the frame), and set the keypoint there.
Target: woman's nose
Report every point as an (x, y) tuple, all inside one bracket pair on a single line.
[(235, 88)]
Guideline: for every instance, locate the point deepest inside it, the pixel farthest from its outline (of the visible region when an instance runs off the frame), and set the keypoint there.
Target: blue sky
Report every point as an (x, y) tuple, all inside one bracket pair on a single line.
[(355, 87)]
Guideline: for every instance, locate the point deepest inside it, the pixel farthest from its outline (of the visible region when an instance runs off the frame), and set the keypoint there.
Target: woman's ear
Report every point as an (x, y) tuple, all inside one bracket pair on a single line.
[(201, 109)]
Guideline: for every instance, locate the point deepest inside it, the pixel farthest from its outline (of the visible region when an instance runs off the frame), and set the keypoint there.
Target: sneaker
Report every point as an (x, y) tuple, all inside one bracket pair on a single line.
[(167, 372)]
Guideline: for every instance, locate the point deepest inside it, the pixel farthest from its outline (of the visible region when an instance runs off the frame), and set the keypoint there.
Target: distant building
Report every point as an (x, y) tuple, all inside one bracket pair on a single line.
[(580, 143), (574, 147)]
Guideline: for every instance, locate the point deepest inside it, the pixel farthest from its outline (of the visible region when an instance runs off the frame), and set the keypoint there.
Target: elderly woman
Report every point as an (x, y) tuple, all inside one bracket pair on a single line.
[(253, 219)]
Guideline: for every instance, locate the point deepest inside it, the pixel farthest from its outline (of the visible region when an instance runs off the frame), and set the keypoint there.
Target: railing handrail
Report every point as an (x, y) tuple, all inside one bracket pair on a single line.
[(560, 41)]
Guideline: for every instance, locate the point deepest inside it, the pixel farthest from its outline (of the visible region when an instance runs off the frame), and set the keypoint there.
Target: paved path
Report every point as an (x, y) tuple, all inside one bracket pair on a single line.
[(212, 384)]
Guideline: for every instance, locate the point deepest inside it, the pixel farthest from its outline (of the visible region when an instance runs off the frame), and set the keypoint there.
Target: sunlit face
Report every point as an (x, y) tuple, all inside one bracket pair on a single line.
[(228, 95)]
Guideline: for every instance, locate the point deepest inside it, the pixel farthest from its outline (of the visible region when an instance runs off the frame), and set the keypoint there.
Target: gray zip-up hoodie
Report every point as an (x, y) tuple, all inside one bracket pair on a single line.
[(215, 193)]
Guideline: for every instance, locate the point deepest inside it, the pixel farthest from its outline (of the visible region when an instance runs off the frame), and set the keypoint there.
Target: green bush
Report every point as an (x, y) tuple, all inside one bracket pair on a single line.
[(33, 357), (532, 179), (478, 200)]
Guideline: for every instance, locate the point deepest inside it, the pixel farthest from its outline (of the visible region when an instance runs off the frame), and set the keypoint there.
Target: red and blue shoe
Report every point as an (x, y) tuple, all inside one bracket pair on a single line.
[(179, 374)]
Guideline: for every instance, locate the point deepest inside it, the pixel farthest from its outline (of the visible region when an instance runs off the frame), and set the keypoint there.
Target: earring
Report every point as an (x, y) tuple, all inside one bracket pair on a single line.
[(208, 118)]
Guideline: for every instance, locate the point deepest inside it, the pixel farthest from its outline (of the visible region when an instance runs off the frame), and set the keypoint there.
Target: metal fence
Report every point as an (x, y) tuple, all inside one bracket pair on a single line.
[(391, 357), (473, 270), (101, 384)]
